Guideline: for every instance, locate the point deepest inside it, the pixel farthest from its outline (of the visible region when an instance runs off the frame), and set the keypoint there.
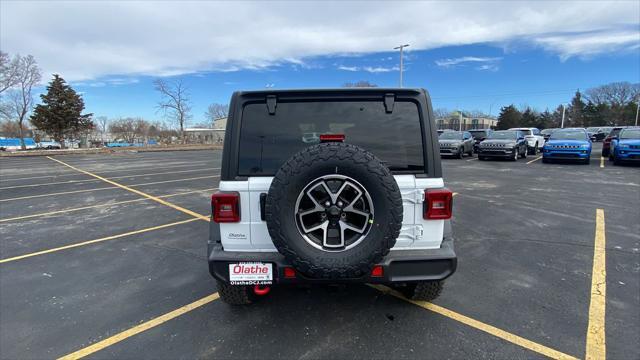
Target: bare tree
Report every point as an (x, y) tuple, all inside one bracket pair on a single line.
[(359, 84), (9, 128), (441, 113), (103, 126), (617, 94), (175, 102), (9, 69), (123, 129), (141, 129), (216, 111), (21, 98)]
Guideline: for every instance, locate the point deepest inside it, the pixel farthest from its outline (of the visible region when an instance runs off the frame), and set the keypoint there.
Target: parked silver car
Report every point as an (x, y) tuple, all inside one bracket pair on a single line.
[(456, 143)]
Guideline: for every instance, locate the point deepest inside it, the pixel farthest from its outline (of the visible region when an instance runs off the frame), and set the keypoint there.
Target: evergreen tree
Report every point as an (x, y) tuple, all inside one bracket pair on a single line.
[(60, 114), (529, 118), (594, 115), (545, 120), (576, 111), (509, 117)]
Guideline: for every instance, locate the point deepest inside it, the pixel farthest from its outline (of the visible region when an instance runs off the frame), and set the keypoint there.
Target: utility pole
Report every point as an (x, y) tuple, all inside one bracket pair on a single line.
[(637, 110), (401, 60), (460, 120), (562, 123)]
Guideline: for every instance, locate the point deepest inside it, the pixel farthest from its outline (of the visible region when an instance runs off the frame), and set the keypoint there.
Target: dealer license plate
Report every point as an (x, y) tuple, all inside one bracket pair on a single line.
[(251, 273)]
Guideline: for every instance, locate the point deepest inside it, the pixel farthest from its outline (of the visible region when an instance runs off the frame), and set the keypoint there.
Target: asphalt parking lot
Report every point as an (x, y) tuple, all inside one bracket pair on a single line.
[(104, 256)]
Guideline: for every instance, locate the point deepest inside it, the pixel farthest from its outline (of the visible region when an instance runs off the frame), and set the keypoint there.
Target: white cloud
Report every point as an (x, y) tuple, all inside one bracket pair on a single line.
[(488, 67), (97, 39), (379, 69), (591, 43), (369, 69), (468, 59), (348, 68)]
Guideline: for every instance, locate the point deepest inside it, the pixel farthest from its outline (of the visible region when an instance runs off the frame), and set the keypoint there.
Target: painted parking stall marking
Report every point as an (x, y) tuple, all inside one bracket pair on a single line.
[(151, 197), (596, 339)]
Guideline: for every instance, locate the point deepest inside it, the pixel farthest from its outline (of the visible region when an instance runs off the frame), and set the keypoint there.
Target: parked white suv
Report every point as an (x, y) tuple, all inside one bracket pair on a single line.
[(534, 138), (361, 201)]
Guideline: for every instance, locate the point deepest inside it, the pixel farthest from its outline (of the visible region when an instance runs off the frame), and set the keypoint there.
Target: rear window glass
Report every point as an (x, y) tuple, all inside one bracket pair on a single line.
[(267, 141)]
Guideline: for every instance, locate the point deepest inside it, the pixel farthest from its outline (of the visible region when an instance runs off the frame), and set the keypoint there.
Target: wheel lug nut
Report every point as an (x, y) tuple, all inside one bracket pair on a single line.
[(340, 203), (327, 204), (343, 215)]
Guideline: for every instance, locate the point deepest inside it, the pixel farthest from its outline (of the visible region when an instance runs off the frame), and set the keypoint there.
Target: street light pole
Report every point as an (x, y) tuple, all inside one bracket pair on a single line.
[(401, 60), (637, 110), (562, 123)]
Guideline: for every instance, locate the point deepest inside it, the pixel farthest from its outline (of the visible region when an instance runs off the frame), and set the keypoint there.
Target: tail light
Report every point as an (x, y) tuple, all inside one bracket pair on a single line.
[(377, 271), (332, 138), (438, 204), (225, 207)]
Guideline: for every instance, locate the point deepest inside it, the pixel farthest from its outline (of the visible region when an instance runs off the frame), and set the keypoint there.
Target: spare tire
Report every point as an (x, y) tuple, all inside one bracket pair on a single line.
[(334, 210)]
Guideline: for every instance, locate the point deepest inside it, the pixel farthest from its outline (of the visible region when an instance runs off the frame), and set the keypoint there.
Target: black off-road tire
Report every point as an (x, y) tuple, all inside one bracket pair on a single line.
[(235, 294), (328, 159), (423, 291)]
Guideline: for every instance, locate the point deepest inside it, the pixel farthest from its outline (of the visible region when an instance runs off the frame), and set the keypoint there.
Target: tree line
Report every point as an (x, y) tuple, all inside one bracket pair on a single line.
[(606, 105), (60, 113)]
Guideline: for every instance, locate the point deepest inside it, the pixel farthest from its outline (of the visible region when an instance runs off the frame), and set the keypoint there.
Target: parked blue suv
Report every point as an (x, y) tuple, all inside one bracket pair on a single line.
[(626, 146), (568, 144)]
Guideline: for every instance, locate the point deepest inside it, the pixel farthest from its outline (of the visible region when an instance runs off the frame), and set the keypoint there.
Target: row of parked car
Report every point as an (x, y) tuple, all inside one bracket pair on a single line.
[(620, 144)]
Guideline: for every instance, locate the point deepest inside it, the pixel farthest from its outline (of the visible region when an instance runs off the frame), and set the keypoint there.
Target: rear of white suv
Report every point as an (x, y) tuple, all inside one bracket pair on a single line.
[(534, 138), (312, 142)]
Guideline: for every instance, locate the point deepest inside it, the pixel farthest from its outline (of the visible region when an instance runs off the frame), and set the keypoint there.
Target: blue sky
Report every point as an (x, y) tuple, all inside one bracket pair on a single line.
[(469, 55), (530, 77)]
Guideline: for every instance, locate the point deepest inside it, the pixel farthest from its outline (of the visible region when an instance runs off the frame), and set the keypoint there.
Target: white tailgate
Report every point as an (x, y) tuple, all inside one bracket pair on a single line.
[(416, 232), (251, 233)]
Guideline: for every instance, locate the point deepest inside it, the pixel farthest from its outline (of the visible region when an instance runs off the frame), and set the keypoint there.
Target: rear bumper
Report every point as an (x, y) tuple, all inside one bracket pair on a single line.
[(398, 265)]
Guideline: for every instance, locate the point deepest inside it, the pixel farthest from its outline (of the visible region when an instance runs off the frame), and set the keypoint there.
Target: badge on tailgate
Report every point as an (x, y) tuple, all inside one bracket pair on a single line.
[(251, 273)]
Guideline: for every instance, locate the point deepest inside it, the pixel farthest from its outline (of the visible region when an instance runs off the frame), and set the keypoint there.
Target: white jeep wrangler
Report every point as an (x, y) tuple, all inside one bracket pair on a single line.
[(331, 186)]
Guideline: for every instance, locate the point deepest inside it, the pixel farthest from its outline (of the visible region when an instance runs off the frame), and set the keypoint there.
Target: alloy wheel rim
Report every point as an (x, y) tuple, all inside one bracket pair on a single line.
[(334, 213)]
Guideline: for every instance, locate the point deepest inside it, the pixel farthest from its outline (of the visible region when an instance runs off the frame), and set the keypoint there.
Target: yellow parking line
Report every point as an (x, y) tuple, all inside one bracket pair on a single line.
[(596, 340), (151, 197), (99, 205), (106, 188), (115, 177), (140, 328), (101, 172), (602, 161), (20, 257), (534, 160), (512, 338)]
